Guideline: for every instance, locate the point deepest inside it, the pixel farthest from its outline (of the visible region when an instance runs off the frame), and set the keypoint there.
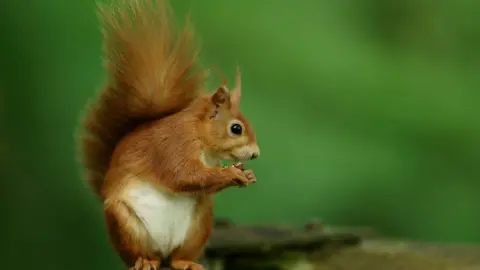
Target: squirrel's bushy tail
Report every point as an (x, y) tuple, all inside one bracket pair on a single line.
[(152, 73)]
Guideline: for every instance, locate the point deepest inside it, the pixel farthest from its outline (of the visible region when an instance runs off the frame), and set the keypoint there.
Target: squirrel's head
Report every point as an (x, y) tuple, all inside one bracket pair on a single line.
[(228, 133)]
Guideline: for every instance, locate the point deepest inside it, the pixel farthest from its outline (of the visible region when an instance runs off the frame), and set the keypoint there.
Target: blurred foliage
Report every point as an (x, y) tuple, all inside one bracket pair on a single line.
[(366, 114)]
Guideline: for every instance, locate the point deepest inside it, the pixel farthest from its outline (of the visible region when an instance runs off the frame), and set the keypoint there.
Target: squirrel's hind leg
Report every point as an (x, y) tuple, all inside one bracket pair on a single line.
[(129, 237)]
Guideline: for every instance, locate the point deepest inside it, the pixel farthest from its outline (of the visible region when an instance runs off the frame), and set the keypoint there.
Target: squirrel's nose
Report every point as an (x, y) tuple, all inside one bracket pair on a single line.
[(254, 156)]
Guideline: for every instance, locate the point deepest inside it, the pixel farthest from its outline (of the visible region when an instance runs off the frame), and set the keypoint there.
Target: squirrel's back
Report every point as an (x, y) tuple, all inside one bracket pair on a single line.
[(152, 73)]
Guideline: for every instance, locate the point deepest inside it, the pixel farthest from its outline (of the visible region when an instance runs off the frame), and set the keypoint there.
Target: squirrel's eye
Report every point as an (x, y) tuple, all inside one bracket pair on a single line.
[(236, 129)]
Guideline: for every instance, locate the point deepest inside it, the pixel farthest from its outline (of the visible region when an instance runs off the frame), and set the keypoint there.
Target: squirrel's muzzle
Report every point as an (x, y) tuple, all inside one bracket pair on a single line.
[(246, 152)]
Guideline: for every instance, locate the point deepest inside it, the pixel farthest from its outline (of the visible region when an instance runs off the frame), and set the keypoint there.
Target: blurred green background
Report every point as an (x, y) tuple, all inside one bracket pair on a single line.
[(366, 114)]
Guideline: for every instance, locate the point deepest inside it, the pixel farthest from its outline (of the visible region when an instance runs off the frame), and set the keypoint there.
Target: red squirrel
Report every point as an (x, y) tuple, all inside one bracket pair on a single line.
[(153, 142)]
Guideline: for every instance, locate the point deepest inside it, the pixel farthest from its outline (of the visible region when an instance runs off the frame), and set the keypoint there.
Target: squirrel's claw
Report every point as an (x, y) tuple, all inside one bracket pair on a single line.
[(144, 264), (186, 265), (239, 166)]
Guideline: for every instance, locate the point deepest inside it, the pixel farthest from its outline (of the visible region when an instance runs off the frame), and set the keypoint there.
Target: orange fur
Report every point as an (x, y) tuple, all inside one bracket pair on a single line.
[(153, 142)]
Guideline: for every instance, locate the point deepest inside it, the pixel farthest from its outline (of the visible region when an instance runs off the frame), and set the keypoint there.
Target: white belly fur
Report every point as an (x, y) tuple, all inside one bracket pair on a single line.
[(166, 216)]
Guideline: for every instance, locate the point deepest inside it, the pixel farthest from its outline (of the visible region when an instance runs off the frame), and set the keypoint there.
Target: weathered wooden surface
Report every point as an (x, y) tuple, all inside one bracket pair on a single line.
[(270, 246), (400, 255), (370, 255), (267, 240), (377, 255), (316, 247)]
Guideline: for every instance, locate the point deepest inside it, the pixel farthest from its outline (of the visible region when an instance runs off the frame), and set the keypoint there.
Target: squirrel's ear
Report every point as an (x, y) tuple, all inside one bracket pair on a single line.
[(236, 93), (221, 96)]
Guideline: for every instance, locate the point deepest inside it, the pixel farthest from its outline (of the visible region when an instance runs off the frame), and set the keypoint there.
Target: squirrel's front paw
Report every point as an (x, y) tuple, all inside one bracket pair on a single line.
[(144, 264), (252, 179), (244, 176), (236, 176)]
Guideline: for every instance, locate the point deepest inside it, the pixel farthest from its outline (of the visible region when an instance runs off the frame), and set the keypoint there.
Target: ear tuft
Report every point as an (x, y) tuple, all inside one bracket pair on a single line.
[(221, 96), (237, 91)]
